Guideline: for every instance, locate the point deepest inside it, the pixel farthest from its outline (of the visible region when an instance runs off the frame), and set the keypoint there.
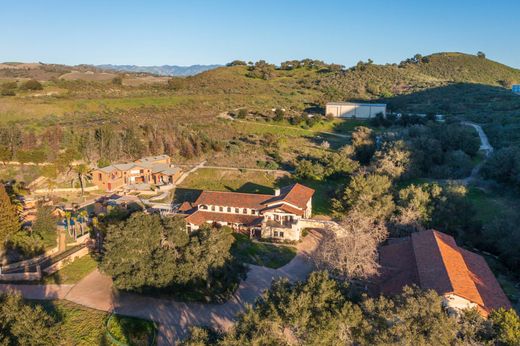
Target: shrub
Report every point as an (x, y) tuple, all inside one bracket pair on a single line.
[(32, 84)]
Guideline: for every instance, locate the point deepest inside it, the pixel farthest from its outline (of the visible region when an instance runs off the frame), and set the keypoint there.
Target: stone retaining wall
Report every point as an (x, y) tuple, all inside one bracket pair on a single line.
[(63, 262), (31, 261), (32, 276)]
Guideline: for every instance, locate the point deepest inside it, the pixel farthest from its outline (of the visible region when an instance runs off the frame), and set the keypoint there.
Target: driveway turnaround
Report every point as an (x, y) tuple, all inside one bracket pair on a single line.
[(174, 318)]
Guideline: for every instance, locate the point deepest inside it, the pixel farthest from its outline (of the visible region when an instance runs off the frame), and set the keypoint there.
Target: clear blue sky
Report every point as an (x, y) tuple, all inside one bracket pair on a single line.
[(205, 32)]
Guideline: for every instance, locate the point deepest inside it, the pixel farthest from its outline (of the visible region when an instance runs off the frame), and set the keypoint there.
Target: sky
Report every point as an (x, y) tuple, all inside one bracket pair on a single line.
[(191, 32)]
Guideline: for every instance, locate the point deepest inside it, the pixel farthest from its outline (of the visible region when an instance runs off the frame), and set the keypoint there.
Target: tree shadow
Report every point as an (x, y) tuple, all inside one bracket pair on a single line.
[(250, 187), (476, 101), (185, 195)]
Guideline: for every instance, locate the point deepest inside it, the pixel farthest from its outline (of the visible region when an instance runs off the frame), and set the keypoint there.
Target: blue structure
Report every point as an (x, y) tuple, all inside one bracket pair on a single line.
[(516, 88)]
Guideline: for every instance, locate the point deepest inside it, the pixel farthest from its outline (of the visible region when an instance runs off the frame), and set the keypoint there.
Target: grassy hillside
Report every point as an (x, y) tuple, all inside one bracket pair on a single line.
[(229, 87), (179, 115)]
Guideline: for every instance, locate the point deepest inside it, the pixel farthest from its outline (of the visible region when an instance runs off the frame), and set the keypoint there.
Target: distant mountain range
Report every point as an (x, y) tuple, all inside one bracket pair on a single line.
[(164, 70)]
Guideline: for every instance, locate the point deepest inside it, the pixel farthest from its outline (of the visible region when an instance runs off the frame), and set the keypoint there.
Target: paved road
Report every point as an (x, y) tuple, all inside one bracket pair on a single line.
[(484, 142), (485, 146), (174, 318), (185, 174)]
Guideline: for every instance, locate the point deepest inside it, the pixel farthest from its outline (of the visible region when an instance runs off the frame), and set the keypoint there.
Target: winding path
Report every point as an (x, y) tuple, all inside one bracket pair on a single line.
[(485, 146), (174, 318)]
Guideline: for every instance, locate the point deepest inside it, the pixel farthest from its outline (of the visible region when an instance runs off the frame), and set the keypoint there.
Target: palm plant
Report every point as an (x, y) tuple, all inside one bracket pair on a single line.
[(84, 217), (68, 217), (82, 173)]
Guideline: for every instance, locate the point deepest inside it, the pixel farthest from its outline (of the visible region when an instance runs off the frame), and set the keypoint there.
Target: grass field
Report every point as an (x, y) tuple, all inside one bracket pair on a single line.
[(490, 205), (230, 180), (261, 254), (72, 272), (83, 326)]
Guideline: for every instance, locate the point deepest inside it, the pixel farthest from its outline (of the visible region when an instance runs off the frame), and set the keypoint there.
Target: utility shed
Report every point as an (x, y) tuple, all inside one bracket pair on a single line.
[(355, 110)]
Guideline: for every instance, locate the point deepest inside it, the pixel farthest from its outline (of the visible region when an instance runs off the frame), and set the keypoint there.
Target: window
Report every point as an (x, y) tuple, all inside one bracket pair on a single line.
[(253, 212), (100, 177), (244, 211), (237, 210), (212, 208), (221, 208), (229, 209), (278, 234)]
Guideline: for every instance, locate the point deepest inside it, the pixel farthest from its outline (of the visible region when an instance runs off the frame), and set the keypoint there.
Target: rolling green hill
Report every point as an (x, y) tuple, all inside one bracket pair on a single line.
[(180, 113)]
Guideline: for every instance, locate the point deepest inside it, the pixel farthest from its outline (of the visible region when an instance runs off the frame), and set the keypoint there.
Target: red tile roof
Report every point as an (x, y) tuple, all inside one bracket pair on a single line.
[(200, 217), (432, 260), (296, 194), (398, 267), (285, 207), (185, 206), (232, 199), (490, 291)]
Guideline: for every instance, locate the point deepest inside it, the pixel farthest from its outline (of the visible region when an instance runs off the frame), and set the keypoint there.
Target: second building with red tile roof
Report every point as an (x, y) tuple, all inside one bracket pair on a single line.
[(432, 260)]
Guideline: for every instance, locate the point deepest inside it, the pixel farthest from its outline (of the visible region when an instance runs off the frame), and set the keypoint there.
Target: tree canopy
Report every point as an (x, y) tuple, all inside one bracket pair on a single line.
[(21, 324), (150, 253), (9, 221), (320, 311)]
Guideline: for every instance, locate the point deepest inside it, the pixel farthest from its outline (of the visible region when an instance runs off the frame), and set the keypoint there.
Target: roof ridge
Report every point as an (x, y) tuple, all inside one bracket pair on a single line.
[(465, 271), (438, 251)]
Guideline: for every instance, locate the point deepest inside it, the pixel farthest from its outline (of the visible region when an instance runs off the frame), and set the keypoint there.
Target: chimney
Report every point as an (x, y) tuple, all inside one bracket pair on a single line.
[(277, 192)]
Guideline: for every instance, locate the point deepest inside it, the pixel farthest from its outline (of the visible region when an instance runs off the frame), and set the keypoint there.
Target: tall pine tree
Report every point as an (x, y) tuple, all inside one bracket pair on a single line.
[(9, 222)]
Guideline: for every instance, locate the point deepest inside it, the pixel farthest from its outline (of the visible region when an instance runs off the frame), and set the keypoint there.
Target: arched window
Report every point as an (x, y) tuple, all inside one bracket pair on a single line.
[(244, 211)]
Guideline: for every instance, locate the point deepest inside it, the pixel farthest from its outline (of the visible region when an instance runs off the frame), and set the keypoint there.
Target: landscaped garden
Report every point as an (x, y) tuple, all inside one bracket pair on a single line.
[(72, 272), (261, 254)]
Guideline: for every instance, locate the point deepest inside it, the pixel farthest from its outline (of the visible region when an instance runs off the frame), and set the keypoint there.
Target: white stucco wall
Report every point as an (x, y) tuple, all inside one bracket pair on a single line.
[(355, 110)]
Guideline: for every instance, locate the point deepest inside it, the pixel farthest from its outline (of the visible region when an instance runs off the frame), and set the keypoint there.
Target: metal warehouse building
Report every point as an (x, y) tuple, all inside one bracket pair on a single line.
[(355, 110)]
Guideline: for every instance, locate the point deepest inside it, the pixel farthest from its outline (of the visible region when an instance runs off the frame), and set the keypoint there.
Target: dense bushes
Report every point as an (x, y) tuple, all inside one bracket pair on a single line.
[(504, 166), (22, 324), (321, 311), (442, 151)]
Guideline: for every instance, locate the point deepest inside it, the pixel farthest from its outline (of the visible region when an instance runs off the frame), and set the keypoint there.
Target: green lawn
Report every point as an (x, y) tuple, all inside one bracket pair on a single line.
[(131, 331), (230, 180), (261, 254), (489, 205), (84, 326), (72, 272), (251, 182)]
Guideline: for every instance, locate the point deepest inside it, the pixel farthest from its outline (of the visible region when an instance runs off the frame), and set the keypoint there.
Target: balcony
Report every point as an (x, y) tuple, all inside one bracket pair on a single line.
[(280, 223)]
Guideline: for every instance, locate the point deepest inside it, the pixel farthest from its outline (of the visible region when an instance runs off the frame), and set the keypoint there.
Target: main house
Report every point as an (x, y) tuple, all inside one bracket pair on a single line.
[(432, 260), (156, 170), (280, 216)]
